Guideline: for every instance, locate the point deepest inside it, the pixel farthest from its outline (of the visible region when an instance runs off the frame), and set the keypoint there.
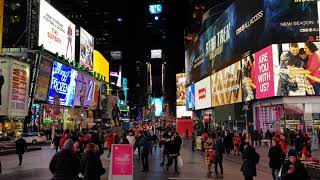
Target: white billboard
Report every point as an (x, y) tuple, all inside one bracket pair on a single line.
[(4, 85), (56, 32), (156, 54), (182, 112), (203, 94), (86, 49)]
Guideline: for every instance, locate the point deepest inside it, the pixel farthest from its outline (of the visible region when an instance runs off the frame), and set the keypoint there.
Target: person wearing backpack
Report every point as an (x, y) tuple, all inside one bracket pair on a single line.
[(250, 160)]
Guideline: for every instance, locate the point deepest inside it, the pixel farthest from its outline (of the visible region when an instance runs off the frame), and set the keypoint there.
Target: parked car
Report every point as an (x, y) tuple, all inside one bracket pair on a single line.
[(7, 145), (4, 137), (34, 137)]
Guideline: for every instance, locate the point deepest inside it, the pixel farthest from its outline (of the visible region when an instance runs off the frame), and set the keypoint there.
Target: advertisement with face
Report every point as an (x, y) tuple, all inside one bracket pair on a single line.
[(190, 97), (86, 49), (19, 88), (95, 101), (181, 89), (250, 26), (90, 83), (248, 77), (297, 73), (157, 103), (203, 94), (56, 32), (41, 93), (226, 85), (4, 85), (63, 84)]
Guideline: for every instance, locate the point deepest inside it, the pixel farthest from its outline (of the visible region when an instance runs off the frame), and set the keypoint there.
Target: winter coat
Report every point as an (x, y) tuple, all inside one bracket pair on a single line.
[(276, 157), (145, 144), (249, 162), (219, 150), (178, 142), (21, 146), (56, 141), (300, 173), (172, 149), (91, 166), (64, 165)]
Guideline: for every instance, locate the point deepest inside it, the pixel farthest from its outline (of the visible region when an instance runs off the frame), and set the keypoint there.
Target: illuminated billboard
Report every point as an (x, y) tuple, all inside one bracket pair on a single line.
[(155, 8), (157, 106), (181, 89), (101, 65), (203, 94), (156, 54), (42, 87), (56, 32), (190, 97), (86, 49), (85, 90), (63, 84)]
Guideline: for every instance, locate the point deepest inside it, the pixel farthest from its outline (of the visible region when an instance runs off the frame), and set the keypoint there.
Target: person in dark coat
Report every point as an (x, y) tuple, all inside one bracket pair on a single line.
[(65, 165), (177, 142), (172, 152), (21, 146), (145, 150), (293, 169), (91, 165), (250, 159), (219, 150), (124, 139), (277, 158), (56, 142)]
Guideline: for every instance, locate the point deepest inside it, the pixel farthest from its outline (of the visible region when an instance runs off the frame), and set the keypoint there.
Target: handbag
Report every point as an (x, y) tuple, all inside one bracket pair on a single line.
[(279, 174), (180, 162)]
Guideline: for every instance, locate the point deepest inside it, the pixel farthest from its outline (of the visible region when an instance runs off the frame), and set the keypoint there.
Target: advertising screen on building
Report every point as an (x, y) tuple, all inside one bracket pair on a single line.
[(95, 101), (155, 8), (157, 104), (84, 90), (42, 87), (86, 49), (4, 85), (56, 32), (190, 97), (226, 85), (203, 94), (101, 65), (156, 54), (249, 26), (181, 89), (182, 112), (19, 88), (63, 84)]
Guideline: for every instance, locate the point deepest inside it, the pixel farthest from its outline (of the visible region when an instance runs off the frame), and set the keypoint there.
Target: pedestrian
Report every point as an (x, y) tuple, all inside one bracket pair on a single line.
[(293, 169), (145, 150), (131, 138), (165, 149), (219, 150), (283, 144), (236, 144), (56, 142), (250, 159), (172, 154), (193, 141), (210, 156), (63, 140), (65, 165), (187, 133), (91, 165), (21, 146), (276, 157), (124, 139), (178, 142)]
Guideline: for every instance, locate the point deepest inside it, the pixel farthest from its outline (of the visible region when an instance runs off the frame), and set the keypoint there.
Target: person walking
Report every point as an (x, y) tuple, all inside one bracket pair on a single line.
[(91, 165), (63, 140), (65, 165), (276, 157), (172, 150), (250, 160), (193, 141), (219, 150), (145, 150), (293, 169), (177, 142), (56, 142), (21, 146)]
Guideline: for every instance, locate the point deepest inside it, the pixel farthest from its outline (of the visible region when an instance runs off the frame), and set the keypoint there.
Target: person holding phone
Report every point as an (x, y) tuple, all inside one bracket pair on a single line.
[(293, 169)]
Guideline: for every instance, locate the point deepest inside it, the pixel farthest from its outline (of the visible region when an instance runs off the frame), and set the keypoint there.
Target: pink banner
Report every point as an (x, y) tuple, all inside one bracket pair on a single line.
[(264, 73), (122, 160)]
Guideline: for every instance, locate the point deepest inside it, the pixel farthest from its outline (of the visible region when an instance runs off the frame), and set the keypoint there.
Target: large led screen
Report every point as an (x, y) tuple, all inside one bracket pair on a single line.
[(157, 103), (226, 85), (86, 49), (56, 32), (43, 82), (181, 89), (203, 94), (84, 91), (63, 84), (190, 97)]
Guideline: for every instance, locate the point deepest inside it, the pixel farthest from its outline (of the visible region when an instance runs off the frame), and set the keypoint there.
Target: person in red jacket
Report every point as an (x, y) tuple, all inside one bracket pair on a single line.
[(313, 64), (63, 140), (283, 144)]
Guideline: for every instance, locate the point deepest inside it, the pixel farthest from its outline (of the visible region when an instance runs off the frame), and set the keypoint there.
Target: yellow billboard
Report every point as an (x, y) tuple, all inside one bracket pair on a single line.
[(101, 65)]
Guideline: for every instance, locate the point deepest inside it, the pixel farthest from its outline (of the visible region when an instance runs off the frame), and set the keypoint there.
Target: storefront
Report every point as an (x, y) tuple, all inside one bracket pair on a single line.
[(288, 113)]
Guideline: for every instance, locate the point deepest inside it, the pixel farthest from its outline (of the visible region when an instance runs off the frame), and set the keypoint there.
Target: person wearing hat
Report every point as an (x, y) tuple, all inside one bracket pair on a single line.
[(293, 169), (65, 165)]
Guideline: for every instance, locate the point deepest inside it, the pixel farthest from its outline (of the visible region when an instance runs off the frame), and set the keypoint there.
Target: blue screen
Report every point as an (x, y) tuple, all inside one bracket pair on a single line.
[(155, 8), (63, 84), (190, 97), (158, 103)]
